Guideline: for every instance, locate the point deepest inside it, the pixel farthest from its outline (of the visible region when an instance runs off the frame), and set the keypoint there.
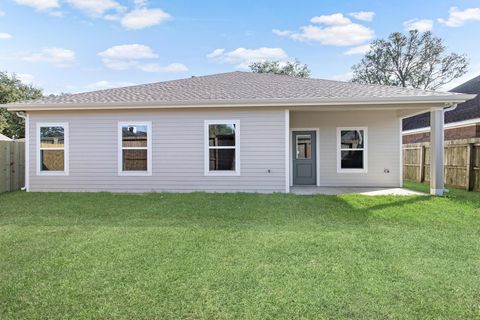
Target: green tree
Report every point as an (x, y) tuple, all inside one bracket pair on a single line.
[(294, 69), (13, 90), (417, 60)]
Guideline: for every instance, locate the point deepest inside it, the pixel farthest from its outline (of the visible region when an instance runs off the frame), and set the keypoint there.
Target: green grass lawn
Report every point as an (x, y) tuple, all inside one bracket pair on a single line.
[(231, 256)]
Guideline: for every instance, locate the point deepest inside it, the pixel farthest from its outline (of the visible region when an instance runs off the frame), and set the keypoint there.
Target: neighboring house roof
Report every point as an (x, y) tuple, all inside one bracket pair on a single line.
[(4, 138), (240, 88), (464, 111)]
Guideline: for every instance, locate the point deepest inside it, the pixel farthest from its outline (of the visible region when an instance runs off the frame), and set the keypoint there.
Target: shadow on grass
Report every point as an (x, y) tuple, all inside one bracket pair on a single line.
[(206, 210)]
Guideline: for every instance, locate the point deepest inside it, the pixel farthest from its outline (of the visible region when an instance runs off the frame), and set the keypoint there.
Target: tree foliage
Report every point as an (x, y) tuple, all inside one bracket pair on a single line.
[(417, 60), (294, 69), (13, 90)]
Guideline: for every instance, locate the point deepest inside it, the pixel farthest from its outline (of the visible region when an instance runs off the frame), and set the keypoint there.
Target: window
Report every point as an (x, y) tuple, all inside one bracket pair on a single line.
[(222, 147), (52, 150), (304, 147), (135, 148), (352, 150)]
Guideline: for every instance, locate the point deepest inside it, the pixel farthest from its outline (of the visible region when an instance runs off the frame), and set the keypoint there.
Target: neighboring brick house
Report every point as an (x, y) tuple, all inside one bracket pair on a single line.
[(461, 123)]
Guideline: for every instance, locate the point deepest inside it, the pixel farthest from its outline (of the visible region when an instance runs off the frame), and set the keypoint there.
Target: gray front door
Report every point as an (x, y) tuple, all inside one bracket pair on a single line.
[(304, 158)]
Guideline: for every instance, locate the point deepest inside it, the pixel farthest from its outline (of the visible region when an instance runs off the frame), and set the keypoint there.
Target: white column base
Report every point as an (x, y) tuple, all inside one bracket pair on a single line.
[(437, 192)]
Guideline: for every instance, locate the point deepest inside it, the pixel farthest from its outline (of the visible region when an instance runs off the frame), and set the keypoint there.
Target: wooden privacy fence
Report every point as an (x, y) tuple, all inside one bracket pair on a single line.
[(462, 163), (12, 165)]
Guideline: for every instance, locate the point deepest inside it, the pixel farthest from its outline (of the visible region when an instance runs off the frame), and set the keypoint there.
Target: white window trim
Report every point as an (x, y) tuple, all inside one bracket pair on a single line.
[(65, 149), (149, 149), (207, 148), (365, 151)]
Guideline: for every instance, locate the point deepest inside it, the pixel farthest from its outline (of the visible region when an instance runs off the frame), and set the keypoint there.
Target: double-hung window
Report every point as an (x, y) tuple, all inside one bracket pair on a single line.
[(52, 149), (135, 148), (222, 141), (352, 150)]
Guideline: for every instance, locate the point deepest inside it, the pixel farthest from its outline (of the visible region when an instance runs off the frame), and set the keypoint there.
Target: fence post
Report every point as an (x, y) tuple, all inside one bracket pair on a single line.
[(422, 164), (470, 162)]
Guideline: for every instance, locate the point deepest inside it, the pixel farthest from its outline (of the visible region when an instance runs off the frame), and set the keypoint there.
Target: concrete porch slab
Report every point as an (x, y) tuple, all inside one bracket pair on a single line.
[(368, 191)]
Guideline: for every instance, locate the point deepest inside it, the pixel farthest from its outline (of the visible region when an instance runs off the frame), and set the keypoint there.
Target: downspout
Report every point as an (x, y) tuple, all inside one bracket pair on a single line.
[(25, 118), (451, 107)]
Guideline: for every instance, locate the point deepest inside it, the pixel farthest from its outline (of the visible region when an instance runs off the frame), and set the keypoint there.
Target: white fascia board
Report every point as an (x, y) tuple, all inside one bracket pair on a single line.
[(443, 99)]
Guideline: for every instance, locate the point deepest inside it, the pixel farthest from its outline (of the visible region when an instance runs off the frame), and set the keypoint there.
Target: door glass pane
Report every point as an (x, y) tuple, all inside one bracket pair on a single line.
[(52, 160), (221, 135), (134, 136), (52, 137), (222, 159), (352, 159), (134, 160), (304, 147), (352, 139)]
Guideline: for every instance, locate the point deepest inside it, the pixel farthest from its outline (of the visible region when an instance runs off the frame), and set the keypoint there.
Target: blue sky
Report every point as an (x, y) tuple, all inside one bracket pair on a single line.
[(84, 45)]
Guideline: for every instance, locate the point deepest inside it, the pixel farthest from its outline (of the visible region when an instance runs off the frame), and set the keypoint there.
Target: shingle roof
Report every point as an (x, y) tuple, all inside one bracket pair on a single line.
[(464, 111), (237, 87)]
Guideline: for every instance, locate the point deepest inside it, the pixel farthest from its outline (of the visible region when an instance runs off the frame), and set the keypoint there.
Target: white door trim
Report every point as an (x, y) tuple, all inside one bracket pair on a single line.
[(317, 151)]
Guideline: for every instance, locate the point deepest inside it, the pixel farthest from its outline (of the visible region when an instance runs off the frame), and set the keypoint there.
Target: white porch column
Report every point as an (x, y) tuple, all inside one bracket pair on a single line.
[(436, 153)]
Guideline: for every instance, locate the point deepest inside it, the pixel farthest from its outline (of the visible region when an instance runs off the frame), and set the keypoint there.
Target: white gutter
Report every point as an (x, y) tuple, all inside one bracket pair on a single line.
[(445, 99)]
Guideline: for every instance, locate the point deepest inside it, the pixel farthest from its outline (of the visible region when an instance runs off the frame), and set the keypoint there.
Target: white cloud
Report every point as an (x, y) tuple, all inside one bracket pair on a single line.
[(282, 32), (2, 13), (129, 52), (5, 36), (363, 15), (143, 18), (458, 18), (215, 53), (130, 56), (243, 57), (363, 49), (336, 19), (53, 55), (25, 78), (335, 29), (421, 25), (39, 4), (96, 8), (104, 84)]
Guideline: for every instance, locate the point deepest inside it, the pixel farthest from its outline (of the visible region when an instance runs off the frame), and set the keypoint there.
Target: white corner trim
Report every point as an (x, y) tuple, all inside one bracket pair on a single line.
[(65, 149), (365, 151), (27, 152), (317, 152), (206, 148), (451, 125), (400, 125), (120, 149), (287, 151)]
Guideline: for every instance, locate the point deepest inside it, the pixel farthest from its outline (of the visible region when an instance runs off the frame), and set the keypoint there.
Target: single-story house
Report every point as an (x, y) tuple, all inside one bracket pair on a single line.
[(462, 122), (230, 132)]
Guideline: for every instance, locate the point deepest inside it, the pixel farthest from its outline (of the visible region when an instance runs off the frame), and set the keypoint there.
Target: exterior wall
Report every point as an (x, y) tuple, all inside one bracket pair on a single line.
[(383, 139), (465, 132), (177, 153)]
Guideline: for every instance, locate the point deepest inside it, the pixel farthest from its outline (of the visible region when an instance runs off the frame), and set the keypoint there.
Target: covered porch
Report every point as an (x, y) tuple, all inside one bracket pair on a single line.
[(352, 149)]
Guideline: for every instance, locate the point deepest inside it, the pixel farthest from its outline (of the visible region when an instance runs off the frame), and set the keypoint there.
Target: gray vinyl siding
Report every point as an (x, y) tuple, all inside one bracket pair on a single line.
[(383, 145), (177, 151)]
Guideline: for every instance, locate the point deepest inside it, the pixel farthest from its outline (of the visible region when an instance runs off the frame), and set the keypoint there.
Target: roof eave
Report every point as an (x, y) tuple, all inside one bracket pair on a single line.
[(446, 99)]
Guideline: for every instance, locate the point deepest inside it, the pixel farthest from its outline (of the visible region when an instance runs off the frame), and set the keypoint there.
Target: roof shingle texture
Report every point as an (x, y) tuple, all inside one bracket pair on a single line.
[(464, 111), (235, 86)]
